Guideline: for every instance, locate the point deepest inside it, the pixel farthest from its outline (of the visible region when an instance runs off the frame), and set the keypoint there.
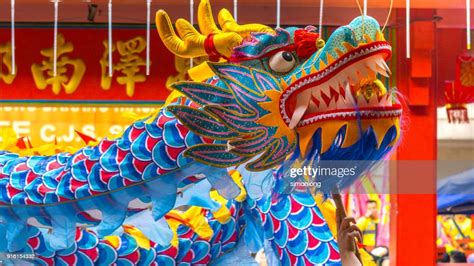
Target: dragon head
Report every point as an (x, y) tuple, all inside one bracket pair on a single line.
[(286, 91), (337, 87)]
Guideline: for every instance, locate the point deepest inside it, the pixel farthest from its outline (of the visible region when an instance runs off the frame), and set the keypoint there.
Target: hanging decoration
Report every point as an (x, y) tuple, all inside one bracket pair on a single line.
[(278, 7), (235, 10), (111, 70), (13, 70), (148, 11), (408, 28), (468, 24), (321, 7), (461, 91), (365, 8), (388, 16), (191, 20), (55, 44)]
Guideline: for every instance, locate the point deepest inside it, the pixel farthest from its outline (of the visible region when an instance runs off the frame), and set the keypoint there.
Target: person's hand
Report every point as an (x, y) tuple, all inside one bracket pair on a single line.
[(347, 234)]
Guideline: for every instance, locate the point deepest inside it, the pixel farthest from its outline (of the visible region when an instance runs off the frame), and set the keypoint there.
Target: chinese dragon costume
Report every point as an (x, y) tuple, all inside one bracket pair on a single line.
[(206, 176)]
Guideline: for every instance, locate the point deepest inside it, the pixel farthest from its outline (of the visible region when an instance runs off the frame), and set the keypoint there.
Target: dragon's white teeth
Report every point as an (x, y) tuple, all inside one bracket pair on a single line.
[(349, 98), (381, 67), (382, 71), (367, 113), (378, 59), (366, 68), (386, 67), (302, 104)]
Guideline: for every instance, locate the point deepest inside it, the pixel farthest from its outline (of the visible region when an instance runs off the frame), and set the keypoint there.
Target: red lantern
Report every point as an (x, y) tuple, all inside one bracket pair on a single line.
[(461, 91)]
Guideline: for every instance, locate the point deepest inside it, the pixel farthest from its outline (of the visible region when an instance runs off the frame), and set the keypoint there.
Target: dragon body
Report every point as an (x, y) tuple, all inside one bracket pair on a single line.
[(162, 193), (194, 245)]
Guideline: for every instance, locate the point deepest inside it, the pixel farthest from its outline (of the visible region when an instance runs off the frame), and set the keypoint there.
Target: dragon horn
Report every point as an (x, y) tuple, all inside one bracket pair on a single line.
[(187, 42), (206, 19)]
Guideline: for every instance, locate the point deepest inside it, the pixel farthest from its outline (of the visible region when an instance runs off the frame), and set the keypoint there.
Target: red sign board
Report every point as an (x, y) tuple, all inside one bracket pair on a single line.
[(82, 66)]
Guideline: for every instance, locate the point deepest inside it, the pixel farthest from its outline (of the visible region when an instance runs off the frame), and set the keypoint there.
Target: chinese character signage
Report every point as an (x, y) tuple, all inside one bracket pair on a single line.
[(82, 66), (6, 73), (43, 73), (130, 66)]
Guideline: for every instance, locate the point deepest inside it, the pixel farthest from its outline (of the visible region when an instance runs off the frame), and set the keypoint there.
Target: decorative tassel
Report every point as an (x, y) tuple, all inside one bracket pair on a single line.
[(457, 113)]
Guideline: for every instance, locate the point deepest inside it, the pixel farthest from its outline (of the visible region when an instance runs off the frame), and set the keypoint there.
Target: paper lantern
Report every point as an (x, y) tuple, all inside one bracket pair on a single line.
[(461, 91)]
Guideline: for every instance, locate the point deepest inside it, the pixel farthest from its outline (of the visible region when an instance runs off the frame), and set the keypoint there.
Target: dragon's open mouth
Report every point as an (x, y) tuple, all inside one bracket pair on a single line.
[(346, 88)]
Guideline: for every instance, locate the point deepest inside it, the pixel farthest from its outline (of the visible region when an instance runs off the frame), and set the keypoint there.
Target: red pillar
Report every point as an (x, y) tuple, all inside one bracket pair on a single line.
[(413, 218)]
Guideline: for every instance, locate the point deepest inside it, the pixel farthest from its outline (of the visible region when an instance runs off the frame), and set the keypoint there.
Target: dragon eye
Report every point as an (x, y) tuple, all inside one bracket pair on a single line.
[(282, 62)]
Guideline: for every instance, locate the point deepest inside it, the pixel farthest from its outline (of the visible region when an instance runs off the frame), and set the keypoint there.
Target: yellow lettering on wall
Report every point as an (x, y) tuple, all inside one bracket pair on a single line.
[(130, 64), (6, 55), (43, 73)]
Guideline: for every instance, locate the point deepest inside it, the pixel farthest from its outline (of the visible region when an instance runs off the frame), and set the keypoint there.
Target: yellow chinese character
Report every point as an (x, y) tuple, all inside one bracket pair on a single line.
[(43, 73), (182, 65), (130, 64), (6, 55)]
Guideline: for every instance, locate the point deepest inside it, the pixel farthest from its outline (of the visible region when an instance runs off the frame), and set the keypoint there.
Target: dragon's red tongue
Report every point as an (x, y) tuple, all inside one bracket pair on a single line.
[(302, 103)]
